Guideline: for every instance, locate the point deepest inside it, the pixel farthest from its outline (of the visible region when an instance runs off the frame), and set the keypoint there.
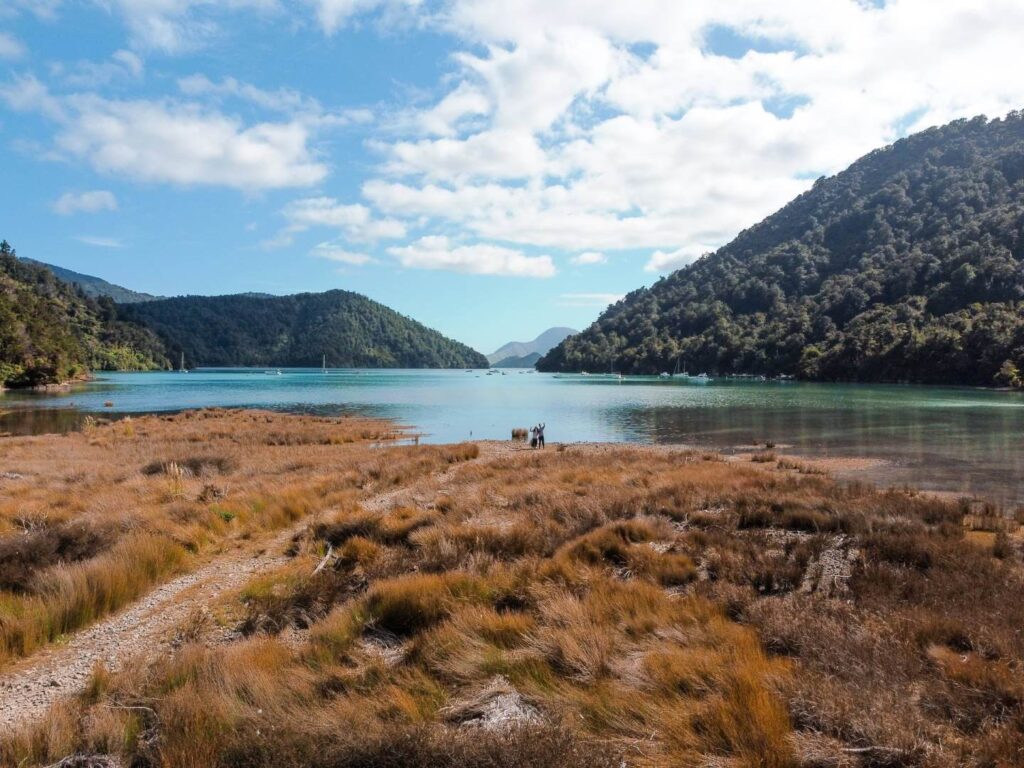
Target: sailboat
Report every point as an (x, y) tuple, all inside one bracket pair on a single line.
[(611, 370), (182, 368), (323, 367), (675, 373)]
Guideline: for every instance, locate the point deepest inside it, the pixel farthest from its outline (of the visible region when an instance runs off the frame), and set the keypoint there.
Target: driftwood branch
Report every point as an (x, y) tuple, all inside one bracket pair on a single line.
[(873, 750), (327, 557)]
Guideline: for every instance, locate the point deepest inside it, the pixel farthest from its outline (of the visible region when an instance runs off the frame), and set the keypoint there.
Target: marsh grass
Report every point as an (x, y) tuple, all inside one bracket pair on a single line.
[(104, 515), (650, 606)]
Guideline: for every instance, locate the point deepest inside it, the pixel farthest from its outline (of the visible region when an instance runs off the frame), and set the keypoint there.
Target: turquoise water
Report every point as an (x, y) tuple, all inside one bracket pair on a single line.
[(955, 439)]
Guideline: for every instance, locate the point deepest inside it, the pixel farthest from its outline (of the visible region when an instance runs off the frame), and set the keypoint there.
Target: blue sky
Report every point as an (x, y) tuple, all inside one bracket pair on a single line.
[(489, 167)]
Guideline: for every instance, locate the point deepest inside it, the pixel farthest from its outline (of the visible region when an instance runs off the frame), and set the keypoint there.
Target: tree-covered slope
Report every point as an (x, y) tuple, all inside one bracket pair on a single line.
[(50, 332), (907, 266), (298, 330), (96, 287)]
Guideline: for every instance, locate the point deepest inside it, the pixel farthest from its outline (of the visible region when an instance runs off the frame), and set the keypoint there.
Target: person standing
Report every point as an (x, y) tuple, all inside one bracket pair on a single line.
[(533, 436), (540, 435)]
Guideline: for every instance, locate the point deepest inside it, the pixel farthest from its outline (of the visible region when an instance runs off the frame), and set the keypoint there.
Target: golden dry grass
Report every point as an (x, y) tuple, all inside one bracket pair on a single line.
[(651, 607), (100, 517)]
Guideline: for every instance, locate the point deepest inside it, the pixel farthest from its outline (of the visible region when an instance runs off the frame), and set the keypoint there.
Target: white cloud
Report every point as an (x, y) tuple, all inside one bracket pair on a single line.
[(175, 26), (336, 14), (179, 143), (43, 9), (600, 300), (668, 261), (100, 242), (605, 126), (355, 222), (333, 252), (439, 252), (497, 154), (92, 201), (121, 66), (589, 257), (465, 101), (296, 105), (10, 47)]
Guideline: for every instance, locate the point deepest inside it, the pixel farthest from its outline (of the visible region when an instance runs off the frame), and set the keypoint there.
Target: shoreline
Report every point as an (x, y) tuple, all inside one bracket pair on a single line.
[(882, 470)]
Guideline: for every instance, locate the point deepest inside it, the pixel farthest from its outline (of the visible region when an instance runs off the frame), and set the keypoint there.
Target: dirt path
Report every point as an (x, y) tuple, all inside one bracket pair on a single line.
[(29, 687)]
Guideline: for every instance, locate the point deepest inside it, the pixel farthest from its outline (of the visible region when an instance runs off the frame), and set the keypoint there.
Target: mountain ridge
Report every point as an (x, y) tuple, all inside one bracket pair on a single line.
[(95, 286), (352, 330), (541, 345)]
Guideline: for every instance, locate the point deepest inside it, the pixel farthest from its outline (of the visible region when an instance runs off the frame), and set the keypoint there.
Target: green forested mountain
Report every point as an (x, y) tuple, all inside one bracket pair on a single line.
[(51, 332), (907, 266), (245, 330), (96, 287)]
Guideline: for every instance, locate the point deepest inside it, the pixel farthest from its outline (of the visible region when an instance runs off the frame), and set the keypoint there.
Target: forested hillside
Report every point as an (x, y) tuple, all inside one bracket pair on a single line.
[(50, 332), (907, 266), (244, 330), (95, 287)]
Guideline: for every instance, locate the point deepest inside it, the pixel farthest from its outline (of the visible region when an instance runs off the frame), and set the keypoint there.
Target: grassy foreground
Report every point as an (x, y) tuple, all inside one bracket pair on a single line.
[(591, 606)]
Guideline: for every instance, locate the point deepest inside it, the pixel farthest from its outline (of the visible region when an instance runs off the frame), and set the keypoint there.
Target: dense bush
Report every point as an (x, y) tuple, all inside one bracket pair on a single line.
[(907, 266)]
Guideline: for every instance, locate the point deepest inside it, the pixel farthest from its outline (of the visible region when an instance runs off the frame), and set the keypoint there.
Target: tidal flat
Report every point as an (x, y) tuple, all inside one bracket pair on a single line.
[(247, 588)]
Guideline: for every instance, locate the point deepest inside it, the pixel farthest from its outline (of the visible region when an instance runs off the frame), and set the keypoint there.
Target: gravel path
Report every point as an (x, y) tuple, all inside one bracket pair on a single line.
[(29, 687)]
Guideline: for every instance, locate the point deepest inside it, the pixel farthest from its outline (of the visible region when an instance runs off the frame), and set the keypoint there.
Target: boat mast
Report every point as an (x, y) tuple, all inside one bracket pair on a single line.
[(323, 368), (182, 366)]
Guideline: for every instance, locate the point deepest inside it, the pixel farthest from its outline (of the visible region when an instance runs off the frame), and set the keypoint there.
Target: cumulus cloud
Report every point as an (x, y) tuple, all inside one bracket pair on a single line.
[(296, 105), (336, 14), (589, 257), (669, 261), (122, 66), (174, 26), (439, 252), (355, 221), (10, 47), (587, 127), (333, 252), (179, 143), (92, 201), (566, 125)]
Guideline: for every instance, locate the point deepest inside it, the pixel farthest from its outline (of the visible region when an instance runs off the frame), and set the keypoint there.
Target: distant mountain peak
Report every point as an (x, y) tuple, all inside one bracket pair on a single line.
[(540, 345)]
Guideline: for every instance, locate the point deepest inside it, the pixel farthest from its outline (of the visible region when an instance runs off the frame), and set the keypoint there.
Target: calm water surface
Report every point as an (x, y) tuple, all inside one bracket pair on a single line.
[(954, 439)]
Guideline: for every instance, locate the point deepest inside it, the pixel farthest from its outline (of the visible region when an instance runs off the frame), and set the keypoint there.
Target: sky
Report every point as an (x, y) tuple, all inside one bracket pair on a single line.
[(489, 167)]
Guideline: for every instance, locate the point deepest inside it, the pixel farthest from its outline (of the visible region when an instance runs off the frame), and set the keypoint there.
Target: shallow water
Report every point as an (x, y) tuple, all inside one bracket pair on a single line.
[(941, 438)]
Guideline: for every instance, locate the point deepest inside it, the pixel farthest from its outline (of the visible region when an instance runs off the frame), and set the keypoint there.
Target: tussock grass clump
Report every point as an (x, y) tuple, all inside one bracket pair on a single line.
[(414, 603), (22, 557), (65, 598), (296, 597), (192, 466)]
